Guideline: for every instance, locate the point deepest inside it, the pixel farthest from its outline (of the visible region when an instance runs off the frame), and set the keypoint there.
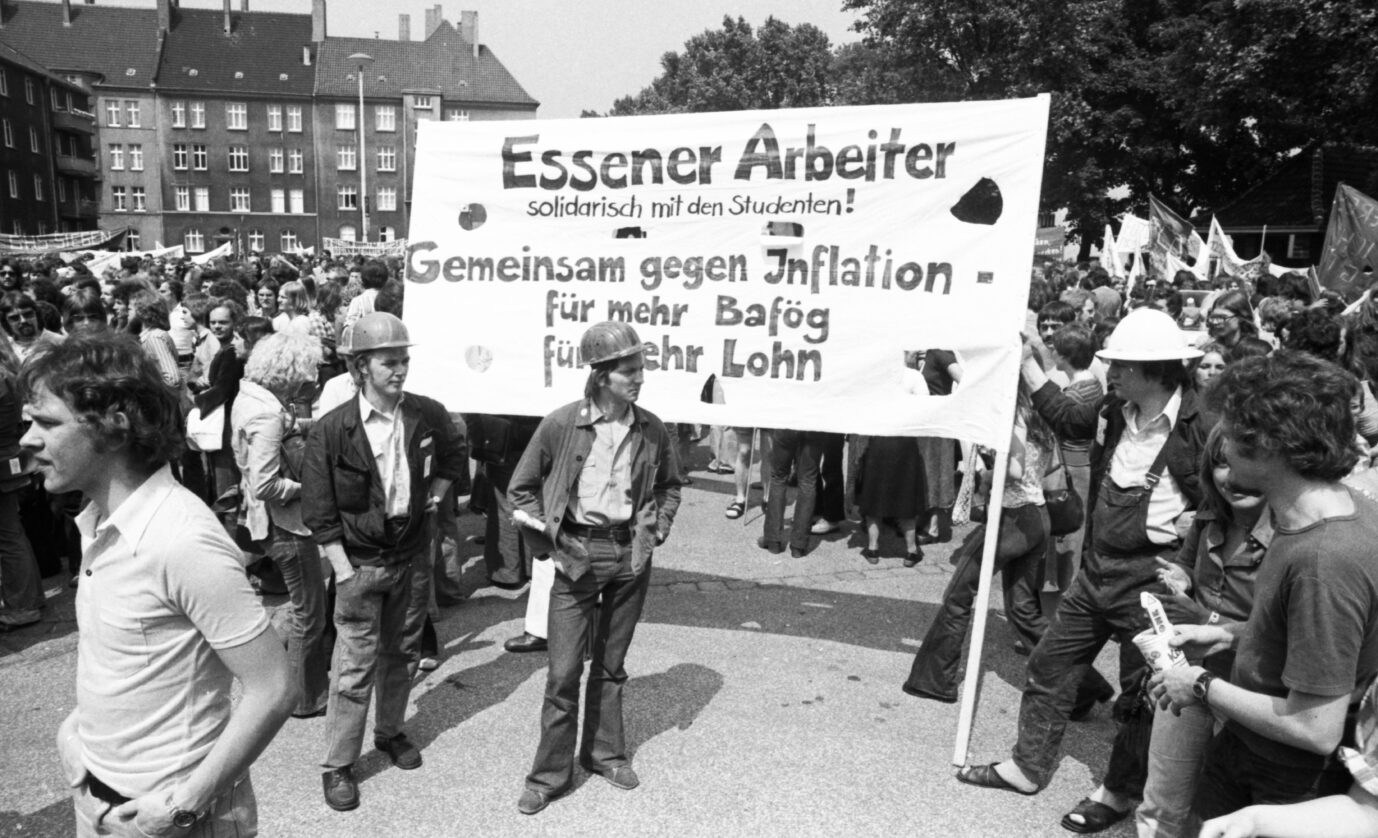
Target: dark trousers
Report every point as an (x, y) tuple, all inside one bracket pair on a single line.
[(503, 552), (832, 489), (299, 560), (1234, 777), (1018, 556), (800, 450), (21, 585), (574, 610), (1102, 603)]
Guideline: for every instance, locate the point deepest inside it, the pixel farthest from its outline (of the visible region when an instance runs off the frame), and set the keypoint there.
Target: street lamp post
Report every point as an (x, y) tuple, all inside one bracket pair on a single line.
[(362, 60)]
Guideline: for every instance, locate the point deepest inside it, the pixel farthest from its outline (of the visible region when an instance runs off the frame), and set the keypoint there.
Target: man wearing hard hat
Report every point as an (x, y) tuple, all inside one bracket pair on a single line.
[(595, 492), (376, 466), (1148, 439)]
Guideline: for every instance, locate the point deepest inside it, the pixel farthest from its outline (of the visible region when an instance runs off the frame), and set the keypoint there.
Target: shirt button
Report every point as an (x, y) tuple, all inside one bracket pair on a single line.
[(88, 573), (578, 458)]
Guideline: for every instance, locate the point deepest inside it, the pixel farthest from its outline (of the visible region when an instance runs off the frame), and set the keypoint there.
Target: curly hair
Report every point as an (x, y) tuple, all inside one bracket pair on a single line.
[(1076, 343), (111, 384), (1293, 405), (283, 361), (1314, 330)]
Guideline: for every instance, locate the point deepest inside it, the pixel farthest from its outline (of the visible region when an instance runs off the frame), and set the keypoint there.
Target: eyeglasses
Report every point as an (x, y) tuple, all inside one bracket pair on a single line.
[(1049, 325), (1217, 319), (21, 316)]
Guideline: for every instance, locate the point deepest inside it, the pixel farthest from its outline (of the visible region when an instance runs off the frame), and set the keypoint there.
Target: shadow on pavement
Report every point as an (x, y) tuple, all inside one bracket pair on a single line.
[(55, 819)]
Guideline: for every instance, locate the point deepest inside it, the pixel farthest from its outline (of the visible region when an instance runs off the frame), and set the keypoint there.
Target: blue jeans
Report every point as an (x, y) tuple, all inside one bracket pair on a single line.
[(21, 586), (370, 615), (299, 560), (1103, 603), (801, 450), (607, 600), (1174, 762)]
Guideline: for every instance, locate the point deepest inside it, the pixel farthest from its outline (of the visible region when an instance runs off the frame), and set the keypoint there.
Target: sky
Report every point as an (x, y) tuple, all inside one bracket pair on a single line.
[(570, 55)]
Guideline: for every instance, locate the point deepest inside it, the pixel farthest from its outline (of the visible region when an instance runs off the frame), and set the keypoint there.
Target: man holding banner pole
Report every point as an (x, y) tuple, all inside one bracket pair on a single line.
[(596, 491), (1148, 438)]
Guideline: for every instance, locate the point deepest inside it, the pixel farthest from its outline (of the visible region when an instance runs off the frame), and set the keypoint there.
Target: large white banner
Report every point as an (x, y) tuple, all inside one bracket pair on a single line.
[(795, 254)]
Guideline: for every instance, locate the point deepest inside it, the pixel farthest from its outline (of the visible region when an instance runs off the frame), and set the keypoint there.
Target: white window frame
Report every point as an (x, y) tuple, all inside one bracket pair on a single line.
[(14, 183), (34, 145), (181, 155), (424, 103), (346, 158), (278, 200), (344, 116), (294, 119), (114, 109), (116, 157), (349, 233), (200, 157), (119, 199), (257, 241), (138, 199), (7, 128), (238, 154), (201, 198), (387, 199), (181, 195), (179, 114), (134, 112), (456, 115), (136, 157), (275, 161), (347, 197), (387, 158), (240, 199), (39, 193), (193, 241), (236, 116), (28, 90), (198, 115), (385, 117), (296, 161), (289, 241), (296, 201), (275, 118)]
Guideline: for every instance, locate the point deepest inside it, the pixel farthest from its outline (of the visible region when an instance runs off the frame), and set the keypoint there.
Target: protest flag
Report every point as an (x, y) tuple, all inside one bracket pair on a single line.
[(1110, 255), (1350, 253), (1170, 232)]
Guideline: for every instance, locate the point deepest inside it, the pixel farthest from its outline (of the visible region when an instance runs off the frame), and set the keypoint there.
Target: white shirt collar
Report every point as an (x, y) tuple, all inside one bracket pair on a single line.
[(1170, 411), (133, 516)]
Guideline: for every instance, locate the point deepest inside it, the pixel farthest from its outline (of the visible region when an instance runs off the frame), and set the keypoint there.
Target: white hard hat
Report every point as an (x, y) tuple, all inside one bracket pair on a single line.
[(1147, 334)]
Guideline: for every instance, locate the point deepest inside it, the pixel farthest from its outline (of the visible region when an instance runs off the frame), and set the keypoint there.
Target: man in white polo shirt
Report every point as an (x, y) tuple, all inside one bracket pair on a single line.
[(166, 616)]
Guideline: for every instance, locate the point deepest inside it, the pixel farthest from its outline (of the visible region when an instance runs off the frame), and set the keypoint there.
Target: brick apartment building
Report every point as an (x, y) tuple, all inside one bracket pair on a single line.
[(228, 124), (47, 135)]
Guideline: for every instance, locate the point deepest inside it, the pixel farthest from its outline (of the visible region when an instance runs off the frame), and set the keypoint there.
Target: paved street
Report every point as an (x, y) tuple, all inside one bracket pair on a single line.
[(764, 700)]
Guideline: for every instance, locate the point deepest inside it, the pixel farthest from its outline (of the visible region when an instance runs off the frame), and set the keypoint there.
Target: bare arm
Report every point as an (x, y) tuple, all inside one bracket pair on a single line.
[(261, 666), (1354, 815)]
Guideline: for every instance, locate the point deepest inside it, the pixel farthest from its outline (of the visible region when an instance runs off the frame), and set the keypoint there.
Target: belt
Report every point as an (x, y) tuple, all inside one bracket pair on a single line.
[(104, 793), (620, 534)]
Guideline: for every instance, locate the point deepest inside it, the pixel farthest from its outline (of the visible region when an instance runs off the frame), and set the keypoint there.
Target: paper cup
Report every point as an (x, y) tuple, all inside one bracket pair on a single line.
[(1157, 652)]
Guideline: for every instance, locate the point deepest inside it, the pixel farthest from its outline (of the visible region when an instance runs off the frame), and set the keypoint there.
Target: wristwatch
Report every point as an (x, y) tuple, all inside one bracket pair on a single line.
[(184, 818), (1201, 687)]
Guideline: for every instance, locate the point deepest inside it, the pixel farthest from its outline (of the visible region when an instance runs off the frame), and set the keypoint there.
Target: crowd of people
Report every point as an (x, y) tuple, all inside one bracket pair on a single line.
[(1209, 446)]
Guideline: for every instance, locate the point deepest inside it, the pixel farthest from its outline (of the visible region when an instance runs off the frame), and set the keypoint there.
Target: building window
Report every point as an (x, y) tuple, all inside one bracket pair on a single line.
[(387, 158), (275, 117), (1298, 247), (199, 158), (132, 240), (203, 199), (387, 198), (131, 110), (33, 140), (278, 198), (290, 242), (348, 197), (344, 116), (182, 196), (385, 118), (136, 158), (296, 201), (28, 90), (349, 232), (236, 116), (179, 156), (346, 158), (294, 161), (275, 160), (239, 158), (62, 190), (239, 199), (198, 114), (294, 119), (456, 115), (38, 192), (257, 242), (179, 114), (386, 233), (8, 128), (119, 201), (116, 157), (4, 82), (422, 102), (193, 241), (112, 113), (42, 228), (14, 184), (138, 199)]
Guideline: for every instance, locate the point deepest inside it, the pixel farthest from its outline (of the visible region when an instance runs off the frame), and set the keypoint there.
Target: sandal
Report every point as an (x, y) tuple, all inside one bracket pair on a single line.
[(1095, 817), (872, 556), (911, 559), (735, 509), (987, 777)]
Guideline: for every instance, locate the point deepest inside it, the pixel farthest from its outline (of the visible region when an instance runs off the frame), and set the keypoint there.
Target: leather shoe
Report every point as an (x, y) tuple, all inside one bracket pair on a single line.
[(622, 777), (526, 643), (532, 801), (772, 546), (341, 792), (400, 750)]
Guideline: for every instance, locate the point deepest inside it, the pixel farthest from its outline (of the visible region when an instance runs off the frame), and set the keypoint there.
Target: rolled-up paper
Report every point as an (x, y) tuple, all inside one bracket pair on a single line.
[(1157, 617), (1156, 650)]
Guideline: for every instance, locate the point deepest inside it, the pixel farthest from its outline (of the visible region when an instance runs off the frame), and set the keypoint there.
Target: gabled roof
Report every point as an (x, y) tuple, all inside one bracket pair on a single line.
[(107, 40), (1299, 193), (443, 64), (260, 50), (14, 56)]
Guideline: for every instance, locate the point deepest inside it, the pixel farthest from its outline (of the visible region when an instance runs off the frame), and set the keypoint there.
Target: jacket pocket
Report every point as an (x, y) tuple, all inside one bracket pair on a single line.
[(351, 486)]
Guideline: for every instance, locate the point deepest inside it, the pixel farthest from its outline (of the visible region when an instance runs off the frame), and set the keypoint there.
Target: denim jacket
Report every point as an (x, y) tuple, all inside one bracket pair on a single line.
[(548, 473)]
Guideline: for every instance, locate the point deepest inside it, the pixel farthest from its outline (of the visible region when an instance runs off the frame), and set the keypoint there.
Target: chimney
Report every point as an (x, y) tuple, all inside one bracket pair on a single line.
[(243, 5), (468, 29), (404, 27), (306, 56), (317, 21), (227, 17), (66, 12), (434, 17), (165, 12)]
